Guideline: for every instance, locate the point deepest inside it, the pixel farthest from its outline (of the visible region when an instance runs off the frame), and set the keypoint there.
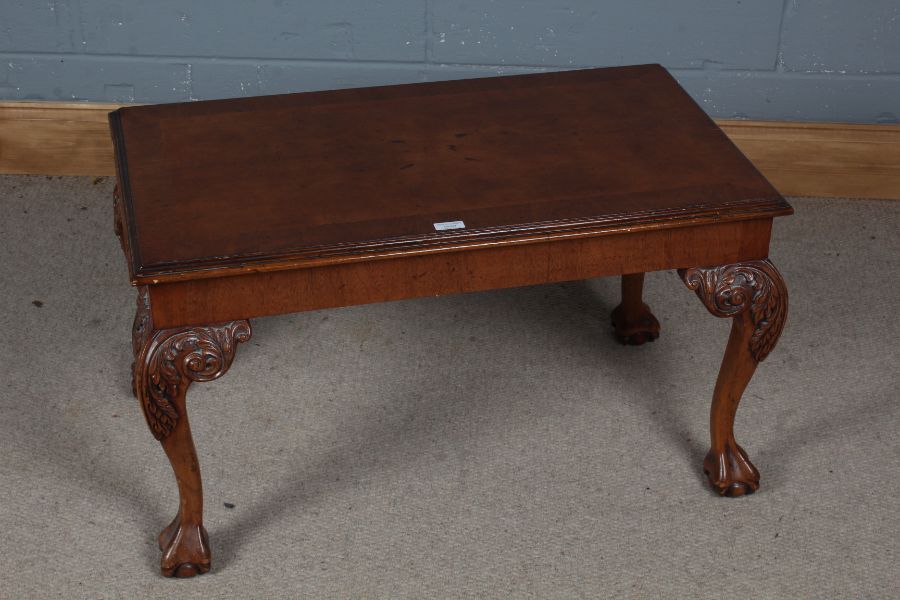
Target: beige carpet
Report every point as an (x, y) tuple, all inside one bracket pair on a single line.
[(490, 445)]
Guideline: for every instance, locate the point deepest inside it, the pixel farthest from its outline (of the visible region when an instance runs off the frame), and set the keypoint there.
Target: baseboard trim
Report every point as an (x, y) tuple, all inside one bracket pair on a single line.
[(800, 159), (823, 159), (55, 138)]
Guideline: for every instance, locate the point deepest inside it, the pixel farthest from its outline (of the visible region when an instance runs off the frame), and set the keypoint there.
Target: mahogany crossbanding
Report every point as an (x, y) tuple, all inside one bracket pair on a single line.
[(214, 188)]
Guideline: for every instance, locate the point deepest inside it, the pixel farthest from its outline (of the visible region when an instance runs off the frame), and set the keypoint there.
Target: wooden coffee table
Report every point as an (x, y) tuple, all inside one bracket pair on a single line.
[(234, 209)]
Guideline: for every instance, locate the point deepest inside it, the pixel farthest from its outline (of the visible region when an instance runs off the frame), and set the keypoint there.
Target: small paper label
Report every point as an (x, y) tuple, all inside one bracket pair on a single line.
[(449, 225)]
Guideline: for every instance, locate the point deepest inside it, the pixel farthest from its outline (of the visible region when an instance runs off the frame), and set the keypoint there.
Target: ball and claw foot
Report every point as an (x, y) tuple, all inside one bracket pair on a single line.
[(185, 550), (731, 473), (635, 329)]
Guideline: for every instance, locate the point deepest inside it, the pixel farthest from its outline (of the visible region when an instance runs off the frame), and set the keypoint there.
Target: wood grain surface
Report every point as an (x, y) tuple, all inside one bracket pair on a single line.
[(210, 300), (823, 159), (268, 183), (800, 159), (55, 138)]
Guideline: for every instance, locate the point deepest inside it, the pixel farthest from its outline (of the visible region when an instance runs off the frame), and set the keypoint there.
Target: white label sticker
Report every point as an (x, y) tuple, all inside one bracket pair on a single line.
[(449, 225)]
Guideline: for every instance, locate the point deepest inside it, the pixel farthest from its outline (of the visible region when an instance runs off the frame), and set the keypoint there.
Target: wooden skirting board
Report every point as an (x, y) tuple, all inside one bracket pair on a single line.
[(822, 159), (55, 138), (800, 159)]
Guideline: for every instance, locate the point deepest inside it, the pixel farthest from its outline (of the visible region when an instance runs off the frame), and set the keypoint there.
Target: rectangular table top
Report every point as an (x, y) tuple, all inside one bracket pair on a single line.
[(227, 186)]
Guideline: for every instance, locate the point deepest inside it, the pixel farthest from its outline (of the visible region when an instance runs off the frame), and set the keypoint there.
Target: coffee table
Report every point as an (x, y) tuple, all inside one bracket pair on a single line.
[(233, 209)]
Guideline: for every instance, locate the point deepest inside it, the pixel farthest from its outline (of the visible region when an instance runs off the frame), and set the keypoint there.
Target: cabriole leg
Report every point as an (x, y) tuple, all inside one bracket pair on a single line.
[(166, 362), (632, 320), (754, 295)]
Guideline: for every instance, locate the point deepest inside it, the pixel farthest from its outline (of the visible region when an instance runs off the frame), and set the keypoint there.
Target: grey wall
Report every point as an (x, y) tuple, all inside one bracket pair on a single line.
[(832, 60)]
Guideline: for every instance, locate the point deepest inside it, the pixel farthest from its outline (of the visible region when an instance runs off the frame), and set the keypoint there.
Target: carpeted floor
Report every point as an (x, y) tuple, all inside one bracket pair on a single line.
[(486, 445)]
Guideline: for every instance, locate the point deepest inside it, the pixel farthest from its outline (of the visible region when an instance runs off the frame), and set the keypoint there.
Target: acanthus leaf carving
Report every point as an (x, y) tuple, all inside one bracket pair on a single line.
[(755, 287), (168, 361)]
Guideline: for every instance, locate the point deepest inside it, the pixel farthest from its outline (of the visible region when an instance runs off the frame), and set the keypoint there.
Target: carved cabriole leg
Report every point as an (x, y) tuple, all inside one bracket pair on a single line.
[(632, 320), (754, 295), (166, 362)]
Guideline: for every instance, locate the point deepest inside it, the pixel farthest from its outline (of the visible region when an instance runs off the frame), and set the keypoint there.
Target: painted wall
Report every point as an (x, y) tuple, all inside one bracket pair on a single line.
[(825, 60)]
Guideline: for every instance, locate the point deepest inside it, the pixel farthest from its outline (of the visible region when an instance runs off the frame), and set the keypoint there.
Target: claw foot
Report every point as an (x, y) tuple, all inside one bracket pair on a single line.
[(185, 550), (731, 473), (635, 329)]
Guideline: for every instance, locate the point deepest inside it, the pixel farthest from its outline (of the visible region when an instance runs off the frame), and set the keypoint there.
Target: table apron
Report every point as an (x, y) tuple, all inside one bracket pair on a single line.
[(256, 294)]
